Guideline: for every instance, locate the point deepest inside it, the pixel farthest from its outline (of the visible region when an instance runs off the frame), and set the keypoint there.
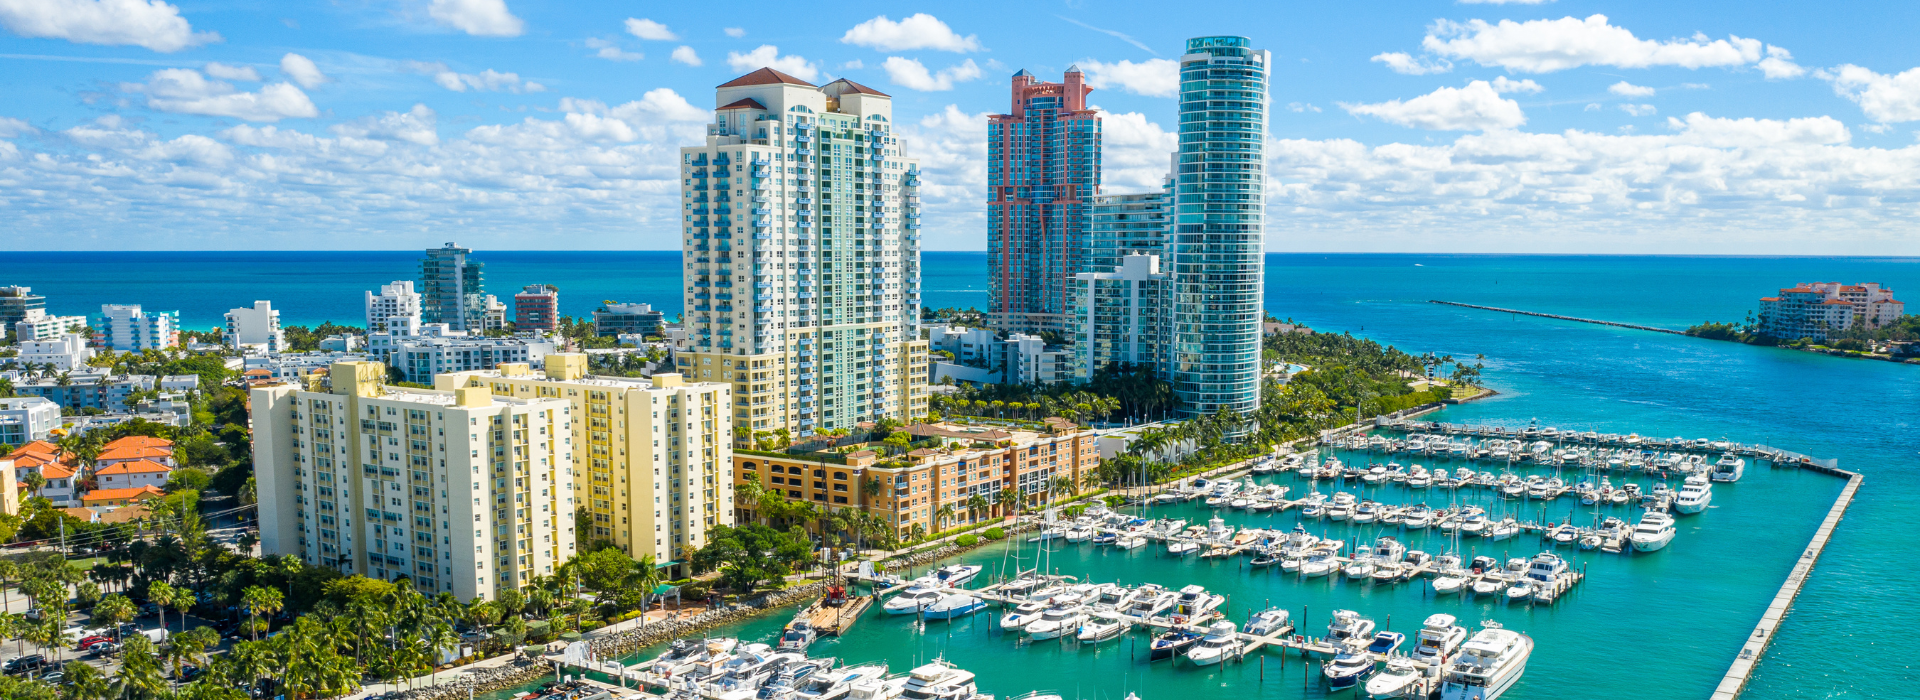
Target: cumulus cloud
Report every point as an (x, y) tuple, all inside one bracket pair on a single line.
[(488, 80), (226, 72), (650, 30), (919, 31), (1884, 98), (735, 32), (1154, 77), (1547, 45), (152, 24), (768, 56), (1405, 64), (1135, 152), (1779, 65), (952, 147), (1302, 107), (11, 128), (611, 51), (186, 91), (477, 17), (1503, 85), (302, 70), (1626, 89), (1639, 110), (1475, 107), (417, 125), (911, 74), (685, 55)]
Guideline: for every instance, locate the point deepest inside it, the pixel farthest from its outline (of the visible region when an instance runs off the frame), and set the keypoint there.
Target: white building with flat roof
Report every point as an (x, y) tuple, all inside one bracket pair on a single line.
[(981, 356), (1123, 316), (459, 491), (395, 300), (127, 328), (257, 326), (24, 419), (67, 352), (39, 325)]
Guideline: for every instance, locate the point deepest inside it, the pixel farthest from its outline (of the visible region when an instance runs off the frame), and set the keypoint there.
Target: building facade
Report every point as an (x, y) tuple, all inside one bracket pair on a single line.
[(917, 490), (614, 320), (1124, 316), (801, 218), (452, 289), (459, 491), (1043, 170), (1215, 251), (17, 302), (257, 326), (420, 357), (1129, 224), (81, 390), (1816, 309), (67, 352), (653, 458), (37, 325), (983, 356), (536, 308), (126, 328), (395, 301), (24, 419)]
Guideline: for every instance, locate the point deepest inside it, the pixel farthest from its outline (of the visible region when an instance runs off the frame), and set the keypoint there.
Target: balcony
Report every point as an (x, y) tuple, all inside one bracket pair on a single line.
[(806, 224), (803, 150)]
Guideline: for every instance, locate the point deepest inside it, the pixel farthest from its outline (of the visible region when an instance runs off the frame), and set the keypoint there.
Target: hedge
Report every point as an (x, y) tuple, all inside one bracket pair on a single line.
[(995, 533), (966, 540)]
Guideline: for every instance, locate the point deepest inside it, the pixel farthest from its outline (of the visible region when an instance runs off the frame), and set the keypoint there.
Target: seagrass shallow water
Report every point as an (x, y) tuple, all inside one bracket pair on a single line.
[(1664, 625)]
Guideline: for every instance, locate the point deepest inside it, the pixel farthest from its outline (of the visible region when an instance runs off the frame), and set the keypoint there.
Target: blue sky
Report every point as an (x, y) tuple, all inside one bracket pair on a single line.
[(1565, 126)]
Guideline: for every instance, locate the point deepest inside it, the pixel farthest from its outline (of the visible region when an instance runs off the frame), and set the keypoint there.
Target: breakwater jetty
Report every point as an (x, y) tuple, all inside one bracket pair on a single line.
[(1634, 326)]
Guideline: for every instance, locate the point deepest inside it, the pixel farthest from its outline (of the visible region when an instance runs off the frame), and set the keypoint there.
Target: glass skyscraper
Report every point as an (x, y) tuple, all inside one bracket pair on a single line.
[(1043, 170), (1216, 244)]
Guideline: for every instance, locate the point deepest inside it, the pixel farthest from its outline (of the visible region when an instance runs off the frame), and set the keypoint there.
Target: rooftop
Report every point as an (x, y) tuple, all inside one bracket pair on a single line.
[(765, 76)]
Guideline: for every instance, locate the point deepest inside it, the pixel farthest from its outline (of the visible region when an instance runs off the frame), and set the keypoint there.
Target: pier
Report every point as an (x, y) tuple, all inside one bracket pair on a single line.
[(1633, 326)]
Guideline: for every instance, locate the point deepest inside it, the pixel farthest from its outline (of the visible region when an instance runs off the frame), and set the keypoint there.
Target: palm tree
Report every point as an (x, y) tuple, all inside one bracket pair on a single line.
[(139, 675), (162, 597), (259, 600), (183, 600), (84, 682), (113, 610), (1010, 501), (975, 505), (942, 515)]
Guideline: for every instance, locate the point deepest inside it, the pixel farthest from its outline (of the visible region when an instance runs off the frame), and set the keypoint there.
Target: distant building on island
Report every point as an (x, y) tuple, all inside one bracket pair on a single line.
[(1815, 309)]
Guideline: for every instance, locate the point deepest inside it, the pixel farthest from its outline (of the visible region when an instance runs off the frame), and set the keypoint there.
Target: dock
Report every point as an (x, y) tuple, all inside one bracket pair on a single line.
[(1615, 324)]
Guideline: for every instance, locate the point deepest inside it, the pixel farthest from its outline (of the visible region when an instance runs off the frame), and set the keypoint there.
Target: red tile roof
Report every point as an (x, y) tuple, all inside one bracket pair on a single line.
[(147, 491), (765, 76), (120, 454), (138, 466), (743, 103), (36, 447), (138, 441), (856, 87)]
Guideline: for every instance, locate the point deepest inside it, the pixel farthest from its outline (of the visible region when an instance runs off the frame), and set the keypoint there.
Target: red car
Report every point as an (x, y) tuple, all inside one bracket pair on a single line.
[(90, 641)]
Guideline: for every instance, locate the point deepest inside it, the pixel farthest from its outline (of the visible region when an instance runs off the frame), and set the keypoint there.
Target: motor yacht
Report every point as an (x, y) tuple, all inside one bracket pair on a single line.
[(1171, 643), (1368, 511), (1182, 547), (1474, 522), (1417, 517), (1024, 614), (1150, 601), (1222, 642), (911, 601), (1360, 567), (1269, 622), (798, 635), (1487, 665), (1695, 495), (1348, 629), (1653, 532), (684, 654), (1103, 626), (1399, 679), (1491, 581), (957, 575), (1130, 542), (1729, 468), (1318, 564), (1056, 621), (1563, 534), (939, 680), (1438, 640), (1348, 669), (1195, 604), (837, 684), (1507, 527), (953, 605)]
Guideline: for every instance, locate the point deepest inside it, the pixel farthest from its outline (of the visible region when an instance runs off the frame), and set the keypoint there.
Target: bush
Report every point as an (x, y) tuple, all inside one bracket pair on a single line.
[(966, 540), (994, 533), (695, 590)]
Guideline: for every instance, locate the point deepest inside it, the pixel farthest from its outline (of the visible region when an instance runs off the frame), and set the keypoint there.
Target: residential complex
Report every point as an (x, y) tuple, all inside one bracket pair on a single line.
[(1215, 250), (67, 352), (452, 290), (537, 308), (1043, 169), (652, 457), (395, 301), (38, 325), (1125, 224), (1815, 309), (436, 349), (24, 419), (256, 327), (100, 390), (801, 213), (1124, 316), (614, 320), (359, 477), (126, 328), (982, 356), (16, 303), (113, 470)]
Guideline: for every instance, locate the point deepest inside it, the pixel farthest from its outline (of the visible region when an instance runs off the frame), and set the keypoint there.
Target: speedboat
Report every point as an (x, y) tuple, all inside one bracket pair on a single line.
[(1474, 522), (1694, 495), (1488, 664), (1182, 547), (1102, 626), (1056, 621), (1729, 468), (1221, 643), (1319, 564), (1130, 542), (957, 575), (1399, 679), (1417, 517), (1349, 630), (1267, 623), (939, 680), (1024, 614), (1504, 529), (911, 601), (1653, 532), (953, 605), (1438, 640), (1385, 642), (1563, 534), (798, 635), (1171, 643), (1348, 668)]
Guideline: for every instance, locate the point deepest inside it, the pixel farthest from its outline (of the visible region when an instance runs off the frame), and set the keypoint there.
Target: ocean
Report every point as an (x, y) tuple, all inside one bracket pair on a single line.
[(1660, 626)]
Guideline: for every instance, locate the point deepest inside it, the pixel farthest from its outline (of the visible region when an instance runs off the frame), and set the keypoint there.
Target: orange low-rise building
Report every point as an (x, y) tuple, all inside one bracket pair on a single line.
[(119, 497)]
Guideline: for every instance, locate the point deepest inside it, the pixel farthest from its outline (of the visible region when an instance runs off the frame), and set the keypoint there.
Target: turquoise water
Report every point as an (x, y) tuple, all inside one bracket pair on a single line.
[(1664, 625)]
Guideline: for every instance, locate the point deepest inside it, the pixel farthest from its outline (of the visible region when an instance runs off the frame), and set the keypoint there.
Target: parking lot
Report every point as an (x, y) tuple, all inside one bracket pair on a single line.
[(108, 664)]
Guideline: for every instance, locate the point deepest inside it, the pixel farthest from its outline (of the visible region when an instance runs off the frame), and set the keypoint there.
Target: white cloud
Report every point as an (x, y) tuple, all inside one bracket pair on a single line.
[(11, 127), (1779, 65), (1715, 132), (1547, 45), (909, 73), (1626, 89), (302, 70), (952, 148), (418, 125), (152, 24), (650, 30), (735, 32), (1134, 152), (1884, 98), (611, 51), (1639, 110), (477, 17), (686, 56), (1405, 64), (919, 31), (1475, 107), (1154, 77), (1503, 85), (226, 72), (186, 91), (1302, 107), (855, 64), (488, 80), (768, 56)]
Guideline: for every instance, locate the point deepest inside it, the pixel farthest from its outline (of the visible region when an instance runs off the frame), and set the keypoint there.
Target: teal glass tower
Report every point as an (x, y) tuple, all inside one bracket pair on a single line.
[(1216, 244)]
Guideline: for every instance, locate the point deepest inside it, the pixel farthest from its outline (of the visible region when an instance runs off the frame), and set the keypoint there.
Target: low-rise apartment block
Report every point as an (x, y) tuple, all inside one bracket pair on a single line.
[(257, 326), (982, 356), (127, 328), (66, 353), (25, 419), (1819, 308)]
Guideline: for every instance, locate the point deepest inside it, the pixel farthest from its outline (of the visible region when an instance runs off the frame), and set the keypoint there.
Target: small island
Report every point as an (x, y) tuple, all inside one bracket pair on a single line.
[(1849, 320)]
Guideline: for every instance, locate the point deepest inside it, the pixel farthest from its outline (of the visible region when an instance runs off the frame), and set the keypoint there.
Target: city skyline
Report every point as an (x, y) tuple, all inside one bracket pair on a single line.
[(512, 125)]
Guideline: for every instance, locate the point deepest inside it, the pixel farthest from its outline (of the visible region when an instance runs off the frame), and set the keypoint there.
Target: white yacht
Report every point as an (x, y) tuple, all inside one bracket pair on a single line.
[(1488, 664), (911, 601), (1694, 495), (1400, 679), (1654, 531), (1024, 614), (1221, 643), (1102, 626), (1729, 468), (1194, 603), (1150, 601), (939, 680), (1507, 527), (1349, 629), (955, 576), (1056, 621), (1320, 563), (1269, 622), (1438, 640)]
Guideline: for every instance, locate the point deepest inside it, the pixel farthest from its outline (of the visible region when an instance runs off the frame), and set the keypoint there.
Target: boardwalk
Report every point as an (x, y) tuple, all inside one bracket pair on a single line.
[(1634, 326)]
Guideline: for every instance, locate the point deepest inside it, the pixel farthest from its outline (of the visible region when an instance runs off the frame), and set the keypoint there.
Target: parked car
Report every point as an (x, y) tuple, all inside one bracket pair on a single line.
[(104, 648), (91, 640), (23, 664)]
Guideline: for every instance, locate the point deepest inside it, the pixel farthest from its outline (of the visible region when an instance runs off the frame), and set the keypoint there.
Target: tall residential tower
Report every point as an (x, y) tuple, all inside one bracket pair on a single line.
[(801, 216), (451, 289), (1043, 169)]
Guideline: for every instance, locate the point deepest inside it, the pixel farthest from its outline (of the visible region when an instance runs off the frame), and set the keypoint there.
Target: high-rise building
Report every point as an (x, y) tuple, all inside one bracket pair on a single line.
[(458, 491), (126, 328), (16, 303), (452, 290), (1129, 224), (1043, 169), (258, 325), (803, 256), (653, 461), (395, 301), (536, 308), (1216, 245), (1125, 316)]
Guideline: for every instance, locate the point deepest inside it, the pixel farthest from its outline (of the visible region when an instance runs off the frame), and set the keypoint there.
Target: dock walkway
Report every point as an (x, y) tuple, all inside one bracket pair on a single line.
[(1633, 326)]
